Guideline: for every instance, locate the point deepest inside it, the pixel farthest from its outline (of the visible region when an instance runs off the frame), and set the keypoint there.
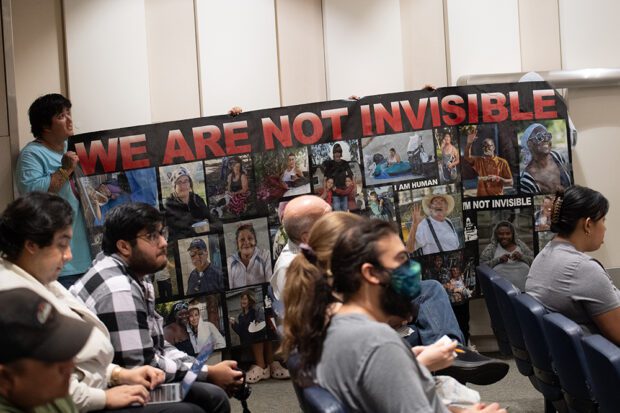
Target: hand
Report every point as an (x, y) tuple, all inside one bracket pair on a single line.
[(224, 375), (147, 376), (471, 137), (69, 161), (504, 258), (437, 356), (516, 255), (123, 396), (416, 215), (235, 110), (481, 407), (232, 320)]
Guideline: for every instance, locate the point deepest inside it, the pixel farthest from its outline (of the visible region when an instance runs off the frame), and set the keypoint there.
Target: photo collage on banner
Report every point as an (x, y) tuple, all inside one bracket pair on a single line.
[(463, 188)]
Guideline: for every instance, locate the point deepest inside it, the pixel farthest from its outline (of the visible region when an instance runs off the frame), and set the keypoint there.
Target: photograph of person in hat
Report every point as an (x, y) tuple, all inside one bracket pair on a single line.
[(206, 276), (36, 358), (436, 232), (185, 206)]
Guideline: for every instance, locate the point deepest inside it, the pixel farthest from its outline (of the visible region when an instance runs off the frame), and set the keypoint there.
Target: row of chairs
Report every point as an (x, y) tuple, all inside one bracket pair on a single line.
[(574, 373)]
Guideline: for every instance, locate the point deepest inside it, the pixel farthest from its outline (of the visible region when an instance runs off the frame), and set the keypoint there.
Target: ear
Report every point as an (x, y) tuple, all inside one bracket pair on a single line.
[(31, 247), (6, 381), (368, 271), (305, 236), (124, 248), (587, 225)]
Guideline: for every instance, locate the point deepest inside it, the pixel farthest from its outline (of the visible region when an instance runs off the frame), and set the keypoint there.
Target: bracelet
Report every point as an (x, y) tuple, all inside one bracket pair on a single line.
[(115, 376), (64, 173)]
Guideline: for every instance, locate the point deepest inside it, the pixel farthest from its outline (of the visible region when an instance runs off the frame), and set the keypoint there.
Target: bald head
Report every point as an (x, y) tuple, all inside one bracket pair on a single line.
[(301, 213)]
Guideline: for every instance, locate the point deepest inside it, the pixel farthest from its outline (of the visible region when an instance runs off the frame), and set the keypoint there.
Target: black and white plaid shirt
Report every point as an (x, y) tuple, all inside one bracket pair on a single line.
[(127, 308)]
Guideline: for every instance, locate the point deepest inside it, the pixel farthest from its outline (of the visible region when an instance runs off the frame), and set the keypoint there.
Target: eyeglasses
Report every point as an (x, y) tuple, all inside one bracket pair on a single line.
[(541, 136), (153, 237), (198, 253)]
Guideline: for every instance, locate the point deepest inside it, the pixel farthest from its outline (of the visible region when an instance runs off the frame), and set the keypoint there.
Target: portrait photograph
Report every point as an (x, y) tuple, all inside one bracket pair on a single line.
[(201, 264)]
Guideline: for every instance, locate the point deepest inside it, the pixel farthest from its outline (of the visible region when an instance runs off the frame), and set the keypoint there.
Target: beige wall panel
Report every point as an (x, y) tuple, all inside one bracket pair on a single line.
[(363, 44), (590, 33), (424, 45), (38, 55), (238, 62), (172, 60), (300, 51), (6, 172), (107, 63), (483, 37), (595, 114), (539, 24)]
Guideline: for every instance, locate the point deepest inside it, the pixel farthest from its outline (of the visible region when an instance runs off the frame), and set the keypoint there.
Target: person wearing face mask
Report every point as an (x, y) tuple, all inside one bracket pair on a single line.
[(545, 170), (357, 356), (493, 172), (508, 255), (435, 233), (250, 264)]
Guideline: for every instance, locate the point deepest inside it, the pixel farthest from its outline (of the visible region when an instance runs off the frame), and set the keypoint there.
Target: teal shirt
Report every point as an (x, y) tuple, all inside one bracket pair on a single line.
[(62, 405), (35, 165)]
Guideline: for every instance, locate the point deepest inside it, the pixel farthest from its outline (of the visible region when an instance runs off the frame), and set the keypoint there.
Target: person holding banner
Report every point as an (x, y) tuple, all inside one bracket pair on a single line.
[(493, 172), (45, 165), (183, 206)]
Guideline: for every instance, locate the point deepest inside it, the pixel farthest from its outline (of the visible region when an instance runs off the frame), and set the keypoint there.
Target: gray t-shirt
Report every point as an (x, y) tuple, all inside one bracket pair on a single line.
[(572, 283), (367, 366)]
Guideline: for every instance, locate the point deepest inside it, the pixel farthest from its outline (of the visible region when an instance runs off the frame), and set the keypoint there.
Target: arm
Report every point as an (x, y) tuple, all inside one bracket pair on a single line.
[(488, 254), (244, 183), (343, 192), (468, 156), (527, 256), (416, 220), (218, 339), (457, 158), (228, 182), (505, 174), (609, 324)]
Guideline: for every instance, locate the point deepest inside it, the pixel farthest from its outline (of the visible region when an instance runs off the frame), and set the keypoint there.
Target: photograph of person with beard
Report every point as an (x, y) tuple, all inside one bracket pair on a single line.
[(357, 271)]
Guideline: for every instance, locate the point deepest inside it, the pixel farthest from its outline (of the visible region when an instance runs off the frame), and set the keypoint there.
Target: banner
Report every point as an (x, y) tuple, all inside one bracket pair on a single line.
[(465, 172)]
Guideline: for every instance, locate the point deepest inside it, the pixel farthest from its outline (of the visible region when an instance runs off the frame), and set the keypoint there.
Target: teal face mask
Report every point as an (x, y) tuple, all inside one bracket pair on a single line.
[(405, 280)]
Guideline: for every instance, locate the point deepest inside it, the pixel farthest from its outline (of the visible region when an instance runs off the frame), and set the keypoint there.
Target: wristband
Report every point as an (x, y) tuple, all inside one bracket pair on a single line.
[(115, 376)]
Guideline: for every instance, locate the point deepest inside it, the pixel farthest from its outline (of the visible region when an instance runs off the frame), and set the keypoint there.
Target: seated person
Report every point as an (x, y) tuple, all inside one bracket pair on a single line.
[(36, 357), (508, 255), (359, 358), (567, 280)]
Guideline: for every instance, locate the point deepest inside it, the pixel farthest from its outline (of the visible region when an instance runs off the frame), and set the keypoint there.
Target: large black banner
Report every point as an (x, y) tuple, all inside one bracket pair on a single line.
[(465, 172)]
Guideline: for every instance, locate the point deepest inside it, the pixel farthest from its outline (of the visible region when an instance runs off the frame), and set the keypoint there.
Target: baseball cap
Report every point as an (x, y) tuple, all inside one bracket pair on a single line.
[(32, 328), (197, 243)]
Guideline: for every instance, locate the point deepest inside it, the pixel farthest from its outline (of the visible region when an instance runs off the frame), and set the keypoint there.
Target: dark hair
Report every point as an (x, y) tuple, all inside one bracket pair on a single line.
[(44, 109), (574, 203), (251, 301), (123, 222), (354, 247), (337, 148), (36, 217)]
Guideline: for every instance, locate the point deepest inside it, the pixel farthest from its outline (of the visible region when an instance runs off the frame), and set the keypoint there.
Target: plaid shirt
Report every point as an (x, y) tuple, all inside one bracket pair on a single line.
[(127, 307)]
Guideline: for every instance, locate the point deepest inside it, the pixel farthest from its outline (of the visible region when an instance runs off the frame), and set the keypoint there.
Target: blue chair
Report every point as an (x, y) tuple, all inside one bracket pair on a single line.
[(314, 398), (485, 273), (564, 338), (603, 358), (530, 313)]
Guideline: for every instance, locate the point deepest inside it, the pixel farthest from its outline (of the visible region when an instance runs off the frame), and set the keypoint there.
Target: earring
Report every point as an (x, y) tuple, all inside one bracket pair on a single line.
[(588, 233)]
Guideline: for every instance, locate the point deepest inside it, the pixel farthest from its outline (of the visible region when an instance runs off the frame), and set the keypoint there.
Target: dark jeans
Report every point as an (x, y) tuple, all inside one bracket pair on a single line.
[(202, 398), (461, 312)]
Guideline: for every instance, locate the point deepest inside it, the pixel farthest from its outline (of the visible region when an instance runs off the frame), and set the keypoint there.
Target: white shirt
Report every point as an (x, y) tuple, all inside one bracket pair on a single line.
[(278, 279), (447, 237)]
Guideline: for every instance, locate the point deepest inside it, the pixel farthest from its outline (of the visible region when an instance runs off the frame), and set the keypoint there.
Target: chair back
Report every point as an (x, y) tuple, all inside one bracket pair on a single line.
[(530, 313), (564, 338), (485, 273), (603, 358), (504, 290), (314, 398)]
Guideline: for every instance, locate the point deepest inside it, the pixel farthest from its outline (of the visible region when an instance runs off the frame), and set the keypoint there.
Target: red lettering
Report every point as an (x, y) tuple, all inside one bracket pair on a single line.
[(383, 117), (88, 161), (128, 152), (334, 115), (415, 120), (472, 107), (317, 128), (457, 111), (515, 110), (231, 136), (366, 120), (177, 147), (540, 103), (204, 136), (493, 107), (435, 116), (283, 135)]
